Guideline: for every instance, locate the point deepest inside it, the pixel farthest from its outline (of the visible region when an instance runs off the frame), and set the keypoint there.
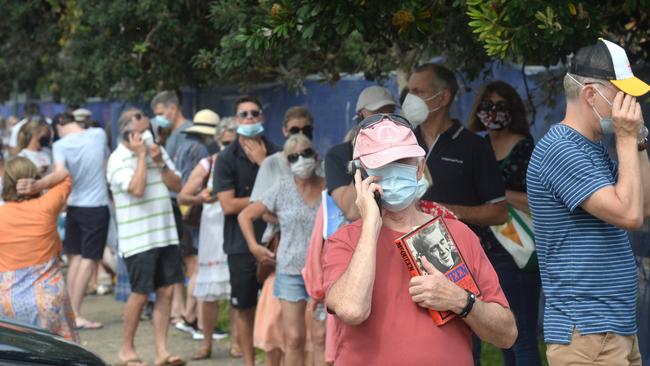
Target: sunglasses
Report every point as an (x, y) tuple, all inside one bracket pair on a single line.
[(376, 118), (246, 114), (487, 105), (306, 130), (307, 153), (137, 116), (226, 143)]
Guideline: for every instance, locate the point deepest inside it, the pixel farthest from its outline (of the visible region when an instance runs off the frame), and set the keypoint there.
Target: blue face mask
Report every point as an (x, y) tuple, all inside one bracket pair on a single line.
[(399, 183), (250, 130), (161, 121)]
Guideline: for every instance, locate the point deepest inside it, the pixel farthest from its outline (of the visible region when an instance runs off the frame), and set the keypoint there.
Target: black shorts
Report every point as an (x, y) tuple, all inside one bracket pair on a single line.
[(155, 268), (86, 230), (243, 281)]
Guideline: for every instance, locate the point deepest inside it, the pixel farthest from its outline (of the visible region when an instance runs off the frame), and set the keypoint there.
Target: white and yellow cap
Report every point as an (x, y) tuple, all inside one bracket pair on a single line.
[(608, 61)]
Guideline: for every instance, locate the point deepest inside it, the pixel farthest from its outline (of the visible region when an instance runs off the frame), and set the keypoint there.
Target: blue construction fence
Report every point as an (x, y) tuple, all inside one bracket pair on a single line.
[(333, 108)]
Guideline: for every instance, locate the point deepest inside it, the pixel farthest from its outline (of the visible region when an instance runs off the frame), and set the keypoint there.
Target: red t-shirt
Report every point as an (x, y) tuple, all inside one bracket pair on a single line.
[(398, 331)]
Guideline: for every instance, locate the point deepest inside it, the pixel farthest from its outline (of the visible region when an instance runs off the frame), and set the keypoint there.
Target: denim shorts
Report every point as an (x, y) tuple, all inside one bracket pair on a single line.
[(289, 288)]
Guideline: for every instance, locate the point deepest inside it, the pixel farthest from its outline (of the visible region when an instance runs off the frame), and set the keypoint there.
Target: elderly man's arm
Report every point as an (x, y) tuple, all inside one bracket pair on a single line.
[(351, 295), (491, 322), (483, 215)]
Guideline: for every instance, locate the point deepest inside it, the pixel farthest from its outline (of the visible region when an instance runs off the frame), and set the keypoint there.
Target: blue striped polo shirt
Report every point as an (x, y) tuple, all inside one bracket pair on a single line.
[(587, 266)]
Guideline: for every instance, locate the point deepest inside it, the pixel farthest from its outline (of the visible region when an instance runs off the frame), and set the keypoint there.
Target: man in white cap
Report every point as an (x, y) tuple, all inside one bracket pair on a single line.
[(372, 100), (582, 202)]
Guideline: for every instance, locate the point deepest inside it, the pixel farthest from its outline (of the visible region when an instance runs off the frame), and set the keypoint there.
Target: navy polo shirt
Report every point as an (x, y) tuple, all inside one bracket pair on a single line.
[(464, 172), (233, 170)]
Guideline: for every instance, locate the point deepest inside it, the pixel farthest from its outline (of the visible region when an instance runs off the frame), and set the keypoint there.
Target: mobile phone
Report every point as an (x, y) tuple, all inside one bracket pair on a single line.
[(125, 136), (353, 166)]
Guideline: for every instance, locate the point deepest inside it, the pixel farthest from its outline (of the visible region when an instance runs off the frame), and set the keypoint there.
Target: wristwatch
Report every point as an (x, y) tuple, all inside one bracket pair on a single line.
[(643, 144), (471, 299)]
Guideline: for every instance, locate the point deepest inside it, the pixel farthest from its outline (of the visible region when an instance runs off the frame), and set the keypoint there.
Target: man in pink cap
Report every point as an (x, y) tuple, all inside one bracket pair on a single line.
[(383, 312)]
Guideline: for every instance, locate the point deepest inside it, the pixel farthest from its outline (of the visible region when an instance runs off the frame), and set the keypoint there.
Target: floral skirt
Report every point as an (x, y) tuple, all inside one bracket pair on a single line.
[(37, 296)]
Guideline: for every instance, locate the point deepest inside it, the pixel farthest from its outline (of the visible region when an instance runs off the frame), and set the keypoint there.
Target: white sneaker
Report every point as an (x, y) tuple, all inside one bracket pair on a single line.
[(217, 335)]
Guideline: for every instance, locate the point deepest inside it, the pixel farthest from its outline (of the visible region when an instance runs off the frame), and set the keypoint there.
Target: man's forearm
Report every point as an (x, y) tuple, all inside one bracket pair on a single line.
[(171, 180), (628, 187), (644, 169), (139, 180), (518, 200), (51, 180), (235, 205), (350, 297), (493, 323), (483, 215)]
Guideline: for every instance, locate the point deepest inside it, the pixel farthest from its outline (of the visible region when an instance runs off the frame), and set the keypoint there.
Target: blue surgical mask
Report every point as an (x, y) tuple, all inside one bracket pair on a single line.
[(250, 130), (423, 186), (162, 121), (399, 183)]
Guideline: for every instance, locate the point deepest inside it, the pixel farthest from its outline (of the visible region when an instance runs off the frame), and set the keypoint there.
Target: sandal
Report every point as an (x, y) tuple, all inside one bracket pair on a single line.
[(172, 361), (235, 352), (129, 362), (202, 354)]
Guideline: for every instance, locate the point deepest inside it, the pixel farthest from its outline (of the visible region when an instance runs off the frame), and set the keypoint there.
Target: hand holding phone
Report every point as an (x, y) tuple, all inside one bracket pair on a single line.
[(353, 167)]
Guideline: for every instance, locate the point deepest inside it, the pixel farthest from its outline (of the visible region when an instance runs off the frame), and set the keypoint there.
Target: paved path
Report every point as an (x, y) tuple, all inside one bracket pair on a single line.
[(106, 341)]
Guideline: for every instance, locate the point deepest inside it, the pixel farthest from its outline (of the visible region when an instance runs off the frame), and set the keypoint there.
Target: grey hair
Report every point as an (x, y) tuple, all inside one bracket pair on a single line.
[(166, 98), (572, 88), (125, 122), (294, 140), (226, 124)]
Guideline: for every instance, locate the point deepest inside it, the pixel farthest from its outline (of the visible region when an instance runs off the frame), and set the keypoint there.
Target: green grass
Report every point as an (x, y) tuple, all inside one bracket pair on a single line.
[(491, 356)]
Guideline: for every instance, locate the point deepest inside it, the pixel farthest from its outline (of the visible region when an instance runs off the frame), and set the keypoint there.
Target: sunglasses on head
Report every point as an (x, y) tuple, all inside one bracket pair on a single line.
[(246, 114), (376, 118), (306, 130), (307, 153), (488, 105)]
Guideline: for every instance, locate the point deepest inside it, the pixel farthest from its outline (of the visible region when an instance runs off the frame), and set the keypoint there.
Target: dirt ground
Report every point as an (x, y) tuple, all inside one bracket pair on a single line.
[(106, 342)]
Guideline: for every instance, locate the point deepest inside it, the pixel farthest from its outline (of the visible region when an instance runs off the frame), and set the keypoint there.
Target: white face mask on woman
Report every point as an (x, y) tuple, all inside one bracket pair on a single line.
[(304, 167)]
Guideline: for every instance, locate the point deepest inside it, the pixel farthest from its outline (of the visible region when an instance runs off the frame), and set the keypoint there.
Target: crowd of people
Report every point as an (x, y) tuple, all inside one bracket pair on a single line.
[(202, 210)]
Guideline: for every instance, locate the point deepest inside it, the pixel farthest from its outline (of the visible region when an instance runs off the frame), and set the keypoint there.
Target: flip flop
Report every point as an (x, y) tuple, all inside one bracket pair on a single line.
[(172, 360), (129, 362), (89, 325), (202, 354)]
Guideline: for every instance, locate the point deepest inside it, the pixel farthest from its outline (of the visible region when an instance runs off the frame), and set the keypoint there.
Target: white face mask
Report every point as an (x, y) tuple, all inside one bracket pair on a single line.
[(415, 109), (147, 138), (304, 167)]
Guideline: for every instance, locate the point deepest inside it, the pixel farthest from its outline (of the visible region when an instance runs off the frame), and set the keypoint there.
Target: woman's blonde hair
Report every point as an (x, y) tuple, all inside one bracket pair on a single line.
[(29, 130), (294, 140), (16, 169)]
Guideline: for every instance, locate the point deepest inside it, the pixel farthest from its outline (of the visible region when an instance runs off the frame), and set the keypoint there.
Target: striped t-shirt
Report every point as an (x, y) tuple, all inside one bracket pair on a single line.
[(146, 222), (587, 266)]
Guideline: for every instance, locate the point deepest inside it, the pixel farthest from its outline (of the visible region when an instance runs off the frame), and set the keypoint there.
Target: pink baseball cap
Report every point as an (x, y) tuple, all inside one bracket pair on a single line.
[(385, 142)]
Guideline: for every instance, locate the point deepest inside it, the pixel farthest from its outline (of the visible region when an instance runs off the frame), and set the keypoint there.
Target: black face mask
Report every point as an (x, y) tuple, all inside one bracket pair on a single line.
[(44, 141), (213, 147)]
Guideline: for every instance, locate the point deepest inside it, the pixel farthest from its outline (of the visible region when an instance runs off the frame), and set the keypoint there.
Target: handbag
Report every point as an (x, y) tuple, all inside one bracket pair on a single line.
[(517, 238), (265, 268)]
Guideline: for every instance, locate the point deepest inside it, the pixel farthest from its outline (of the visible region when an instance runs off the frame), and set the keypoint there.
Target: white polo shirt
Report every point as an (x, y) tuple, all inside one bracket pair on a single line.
[(147, 222)]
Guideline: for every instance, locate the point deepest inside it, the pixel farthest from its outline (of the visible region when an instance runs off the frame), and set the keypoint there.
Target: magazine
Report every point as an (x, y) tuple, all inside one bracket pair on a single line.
[(433, 241)]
